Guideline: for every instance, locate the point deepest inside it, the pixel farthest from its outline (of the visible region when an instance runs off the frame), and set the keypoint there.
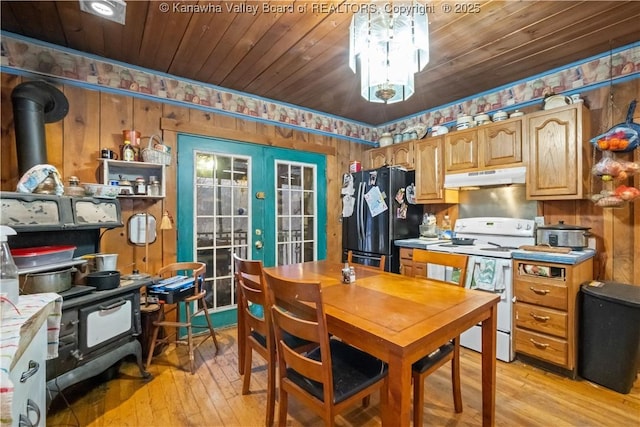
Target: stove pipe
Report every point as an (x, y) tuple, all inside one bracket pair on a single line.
[(34, 104)]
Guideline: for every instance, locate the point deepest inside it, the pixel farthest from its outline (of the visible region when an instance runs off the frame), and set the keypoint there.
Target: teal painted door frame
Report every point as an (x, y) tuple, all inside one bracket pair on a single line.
[(263, 210)]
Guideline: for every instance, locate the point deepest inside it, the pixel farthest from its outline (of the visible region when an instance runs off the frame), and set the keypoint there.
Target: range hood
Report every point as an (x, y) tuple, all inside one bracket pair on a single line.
[(486, 178)]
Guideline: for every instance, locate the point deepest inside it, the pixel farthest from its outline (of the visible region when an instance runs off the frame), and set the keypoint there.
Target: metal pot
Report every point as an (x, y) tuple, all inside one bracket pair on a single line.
[(563, 235), (50, 281)]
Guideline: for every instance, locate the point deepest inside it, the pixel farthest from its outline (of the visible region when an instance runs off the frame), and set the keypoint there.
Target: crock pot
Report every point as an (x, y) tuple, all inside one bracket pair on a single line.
[(564, 235)]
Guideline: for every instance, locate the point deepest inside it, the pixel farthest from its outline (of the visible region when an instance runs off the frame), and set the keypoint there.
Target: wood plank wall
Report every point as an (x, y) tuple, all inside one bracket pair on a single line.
[(96, 120)]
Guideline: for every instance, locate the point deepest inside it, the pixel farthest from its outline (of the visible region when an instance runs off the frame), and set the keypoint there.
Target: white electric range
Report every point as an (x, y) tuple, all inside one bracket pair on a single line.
[(489, 269)]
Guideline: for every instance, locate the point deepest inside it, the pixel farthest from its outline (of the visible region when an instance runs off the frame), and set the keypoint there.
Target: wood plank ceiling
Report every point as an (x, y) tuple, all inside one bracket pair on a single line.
[(302, 57)]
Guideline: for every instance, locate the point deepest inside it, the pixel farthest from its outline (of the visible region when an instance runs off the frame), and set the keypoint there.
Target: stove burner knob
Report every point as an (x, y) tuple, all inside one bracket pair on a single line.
[(518, 226)]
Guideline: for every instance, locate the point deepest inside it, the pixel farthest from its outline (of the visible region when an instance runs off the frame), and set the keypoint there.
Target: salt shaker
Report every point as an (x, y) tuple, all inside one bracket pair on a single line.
[(346, 274), (352, 275)]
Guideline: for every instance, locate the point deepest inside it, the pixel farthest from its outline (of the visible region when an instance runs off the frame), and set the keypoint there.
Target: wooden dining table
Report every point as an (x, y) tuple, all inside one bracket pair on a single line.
[(400, 319)]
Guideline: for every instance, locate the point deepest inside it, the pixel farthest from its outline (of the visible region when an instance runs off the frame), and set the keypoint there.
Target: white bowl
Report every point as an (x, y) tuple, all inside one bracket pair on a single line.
[(439, 130), (464, 119)]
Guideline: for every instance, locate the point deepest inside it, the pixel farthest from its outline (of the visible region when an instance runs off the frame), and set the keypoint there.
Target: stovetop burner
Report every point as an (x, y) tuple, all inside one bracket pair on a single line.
[(500, 249), (76, 291)]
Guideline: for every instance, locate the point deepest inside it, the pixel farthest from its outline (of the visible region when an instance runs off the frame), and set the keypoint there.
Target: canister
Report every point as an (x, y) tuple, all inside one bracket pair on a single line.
[(140, 186), (154, 188)]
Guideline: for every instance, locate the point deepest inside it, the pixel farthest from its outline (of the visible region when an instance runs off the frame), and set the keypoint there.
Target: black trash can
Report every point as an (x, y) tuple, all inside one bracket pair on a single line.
[(609, 343)]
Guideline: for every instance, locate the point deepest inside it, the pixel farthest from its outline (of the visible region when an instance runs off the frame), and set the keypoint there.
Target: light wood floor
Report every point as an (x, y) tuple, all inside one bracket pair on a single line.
[(526, 396)]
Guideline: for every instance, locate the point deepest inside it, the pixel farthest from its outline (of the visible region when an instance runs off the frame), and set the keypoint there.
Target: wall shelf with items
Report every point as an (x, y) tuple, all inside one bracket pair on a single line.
[(117, 170)]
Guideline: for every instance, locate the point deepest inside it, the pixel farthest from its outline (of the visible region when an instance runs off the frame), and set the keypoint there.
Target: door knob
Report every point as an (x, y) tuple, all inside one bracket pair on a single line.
[(258, 244)]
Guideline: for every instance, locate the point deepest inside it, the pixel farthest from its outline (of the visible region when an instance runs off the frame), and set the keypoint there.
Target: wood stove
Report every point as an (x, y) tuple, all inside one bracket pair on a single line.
[(98, 328)]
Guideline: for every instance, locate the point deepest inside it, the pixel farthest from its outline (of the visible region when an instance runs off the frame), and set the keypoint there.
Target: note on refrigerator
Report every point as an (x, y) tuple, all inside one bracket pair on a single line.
[(375, 201)]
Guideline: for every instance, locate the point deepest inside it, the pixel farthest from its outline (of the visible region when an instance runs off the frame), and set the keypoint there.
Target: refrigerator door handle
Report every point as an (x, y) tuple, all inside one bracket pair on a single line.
[(361, 230)]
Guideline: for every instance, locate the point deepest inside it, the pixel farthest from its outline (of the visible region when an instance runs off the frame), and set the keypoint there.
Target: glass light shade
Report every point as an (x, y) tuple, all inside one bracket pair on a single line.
[(389, 45)]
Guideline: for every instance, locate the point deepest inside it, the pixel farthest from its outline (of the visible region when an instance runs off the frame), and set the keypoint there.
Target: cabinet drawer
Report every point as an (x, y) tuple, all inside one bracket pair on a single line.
[(544, 347), (545, 294), (406, 253), (541, 319), (419, 270)]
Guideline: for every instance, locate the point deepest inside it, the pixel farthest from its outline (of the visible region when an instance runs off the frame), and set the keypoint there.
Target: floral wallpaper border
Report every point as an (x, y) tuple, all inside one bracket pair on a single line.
[(29, 55), (575, 78)]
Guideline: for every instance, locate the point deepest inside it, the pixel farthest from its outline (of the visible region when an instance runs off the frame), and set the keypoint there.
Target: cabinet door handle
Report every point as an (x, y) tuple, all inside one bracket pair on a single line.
[(33, 368), (25, 419), (538, 344), (539, 318), (539, 291)]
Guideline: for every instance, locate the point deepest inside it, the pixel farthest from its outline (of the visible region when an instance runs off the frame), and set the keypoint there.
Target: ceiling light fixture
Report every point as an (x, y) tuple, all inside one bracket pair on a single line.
[(389, 43), (113, 10)]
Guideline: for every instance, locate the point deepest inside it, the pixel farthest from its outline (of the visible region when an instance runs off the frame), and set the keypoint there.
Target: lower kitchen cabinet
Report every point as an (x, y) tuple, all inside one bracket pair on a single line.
[(406, 261), (28, 406), (407, 266), (545, 311)]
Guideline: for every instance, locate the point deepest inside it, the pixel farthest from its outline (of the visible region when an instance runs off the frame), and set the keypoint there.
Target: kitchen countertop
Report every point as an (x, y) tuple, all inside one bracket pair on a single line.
[(573, 257), (416, 243)]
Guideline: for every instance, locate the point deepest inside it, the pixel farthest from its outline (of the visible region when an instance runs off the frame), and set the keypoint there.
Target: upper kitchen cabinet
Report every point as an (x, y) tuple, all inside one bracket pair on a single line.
[(461, 150), (393, 155), (501, 143), (429, 155), (493, 145), (559, 162)]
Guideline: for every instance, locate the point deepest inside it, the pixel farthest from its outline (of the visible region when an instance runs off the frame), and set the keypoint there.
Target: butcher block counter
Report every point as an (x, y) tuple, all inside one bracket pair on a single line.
[(29, 337)]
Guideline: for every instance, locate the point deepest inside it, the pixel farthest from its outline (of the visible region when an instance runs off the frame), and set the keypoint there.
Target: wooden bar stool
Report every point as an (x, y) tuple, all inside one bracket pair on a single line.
[(197, 270)]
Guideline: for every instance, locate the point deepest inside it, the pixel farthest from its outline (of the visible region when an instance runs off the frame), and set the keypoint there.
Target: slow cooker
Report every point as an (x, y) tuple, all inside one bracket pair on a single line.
[(575, 237)]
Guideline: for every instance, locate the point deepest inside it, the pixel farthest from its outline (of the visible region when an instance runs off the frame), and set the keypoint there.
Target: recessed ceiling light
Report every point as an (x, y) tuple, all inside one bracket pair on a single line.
[(113, 10)]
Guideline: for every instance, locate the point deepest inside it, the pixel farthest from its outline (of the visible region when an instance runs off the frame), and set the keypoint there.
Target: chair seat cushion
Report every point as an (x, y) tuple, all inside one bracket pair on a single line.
[(429, 360), (353, 370)]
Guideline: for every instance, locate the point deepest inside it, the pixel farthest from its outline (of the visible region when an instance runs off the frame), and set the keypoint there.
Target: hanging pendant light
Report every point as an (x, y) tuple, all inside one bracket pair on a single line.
[(389, 43)]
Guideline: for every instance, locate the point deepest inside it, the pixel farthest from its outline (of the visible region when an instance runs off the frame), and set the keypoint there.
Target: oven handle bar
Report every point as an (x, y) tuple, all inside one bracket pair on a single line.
[(116, 304)]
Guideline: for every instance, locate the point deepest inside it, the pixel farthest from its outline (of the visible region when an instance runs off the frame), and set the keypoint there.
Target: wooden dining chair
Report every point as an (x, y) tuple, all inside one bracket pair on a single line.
[(329, 378), (378, 261), (184, 320), (445, 353), (255, 328)]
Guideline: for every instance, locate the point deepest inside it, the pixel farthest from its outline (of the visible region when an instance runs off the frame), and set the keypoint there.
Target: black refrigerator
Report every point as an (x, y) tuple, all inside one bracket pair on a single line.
[(371, 233)]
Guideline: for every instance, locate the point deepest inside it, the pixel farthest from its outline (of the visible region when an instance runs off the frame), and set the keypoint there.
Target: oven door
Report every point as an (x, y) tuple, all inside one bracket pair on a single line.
[(493, 275), (107, 320)]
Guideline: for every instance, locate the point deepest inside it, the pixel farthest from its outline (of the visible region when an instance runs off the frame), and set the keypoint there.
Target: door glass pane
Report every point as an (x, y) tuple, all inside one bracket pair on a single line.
[(295, 197), (222, 220)]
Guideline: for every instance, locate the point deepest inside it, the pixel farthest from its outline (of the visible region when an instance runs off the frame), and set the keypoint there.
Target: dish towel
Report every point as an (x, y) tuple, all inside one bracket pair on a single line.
[(29, 306), (484, 274)]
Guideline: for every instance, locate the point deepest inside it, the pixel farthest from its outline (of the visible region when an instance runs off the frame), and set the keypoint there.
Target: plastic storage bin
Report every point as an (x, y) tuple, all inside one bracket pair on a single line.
[(42, 255), (609, 347)]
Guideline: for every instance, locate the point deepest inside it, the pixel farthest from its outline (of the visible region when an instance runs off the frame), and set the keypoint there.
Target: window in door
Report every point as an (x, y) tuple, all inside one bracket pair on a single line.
[(259, 202)]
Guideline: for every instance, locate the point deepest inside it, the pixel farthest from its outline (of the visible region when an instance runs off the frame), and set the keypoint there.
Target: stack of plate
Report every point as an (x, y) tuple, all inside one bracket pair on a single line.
[(500, 115), (482, 119), (464, 122)]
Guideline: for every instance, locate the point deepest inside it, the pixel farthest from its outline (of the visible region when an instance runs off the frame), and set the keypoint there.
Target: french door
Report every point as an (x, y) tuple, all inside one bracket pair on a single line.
[(260, 202)]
